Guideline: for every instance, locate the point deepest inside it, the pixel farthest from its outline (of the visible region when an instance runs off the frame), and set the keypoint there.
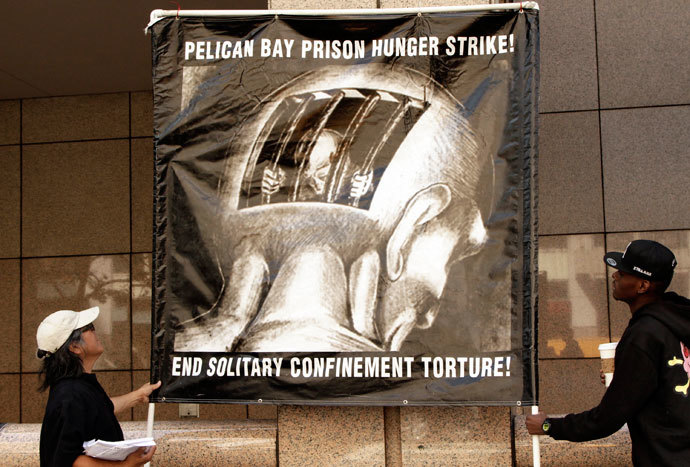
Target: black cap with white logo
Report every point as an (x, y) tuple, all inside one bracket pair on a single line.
[(644, 258)]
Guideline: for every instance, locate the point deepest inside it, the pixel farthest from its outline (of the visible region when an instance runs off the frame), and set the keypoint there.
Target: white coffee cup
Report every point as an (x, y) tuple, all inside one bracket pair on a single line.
[(607, 352)]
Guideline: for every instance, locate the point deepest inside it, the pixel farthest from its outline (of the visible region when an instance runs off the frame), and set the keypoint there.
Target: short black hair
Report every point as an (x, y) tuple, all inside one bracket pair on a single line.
[(63, 363), (660, 287)]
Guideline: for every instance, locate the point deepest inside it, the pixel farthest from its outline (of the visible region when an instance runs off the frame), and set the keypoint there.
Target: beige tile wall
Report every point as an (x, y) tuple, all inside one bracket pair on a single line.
[(75, 198), (76, 232), (568, 56), (9, 314), (76, 226), (10, 199), (460, 436), (569, 157), (642, 47), (9, 122), (9, 391), (77, 118), (331, 435)]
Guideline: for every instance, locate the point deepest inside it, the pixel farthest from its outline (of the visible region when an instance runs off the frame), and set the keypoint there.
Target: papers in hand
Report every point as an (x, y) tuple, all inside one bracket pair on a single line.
[(115, 450)]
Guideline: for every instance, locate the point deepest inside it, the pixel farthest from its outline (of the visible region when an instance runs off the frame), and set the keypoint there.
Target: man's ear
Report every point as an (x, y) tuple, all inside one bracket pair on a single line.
[(643, 286), (424, 206)]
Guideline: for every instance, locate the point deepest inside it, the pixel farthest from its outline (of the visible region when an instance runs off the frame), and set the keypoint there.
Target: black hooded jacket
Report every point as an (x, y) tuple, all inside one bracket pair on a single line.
[(650, 390)]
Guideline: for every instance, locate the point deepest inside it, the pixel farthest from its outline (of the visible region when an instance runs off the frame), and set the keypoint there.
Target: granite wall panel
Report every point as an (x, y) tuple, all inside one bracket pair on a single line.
[(9, 394), (75, 198), (142, 194), (645, 168), (570, 189), (310, 435), (455, 436), (141, 112), (568, 56), (569, 385), (33, 402), (643, 52), (10, 197), (10, 121), (10, 344), (75, 118)]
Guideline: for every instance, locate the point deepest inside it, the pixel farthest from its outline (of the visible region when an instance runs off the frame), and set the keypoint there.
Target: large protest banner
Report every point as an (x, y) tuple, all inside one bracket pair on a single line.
[(345, 206)]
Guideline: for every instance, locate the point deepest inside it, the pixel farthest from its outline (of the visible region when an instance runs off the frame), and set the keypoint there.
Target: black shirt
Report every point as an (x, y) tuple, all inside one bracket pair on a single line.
[(649, 390), (78, 410)]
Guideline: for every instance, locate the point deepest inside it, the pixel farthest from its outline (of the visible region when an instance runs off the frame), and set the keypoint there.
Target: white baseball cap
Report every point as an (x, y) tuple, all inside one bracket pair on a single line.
[(56, 328)]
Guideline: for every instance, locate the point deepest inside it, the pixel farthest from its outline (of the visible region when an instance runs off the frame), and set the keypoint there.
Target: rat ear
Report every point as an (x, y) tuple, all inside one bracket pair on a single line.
[(424, 206)]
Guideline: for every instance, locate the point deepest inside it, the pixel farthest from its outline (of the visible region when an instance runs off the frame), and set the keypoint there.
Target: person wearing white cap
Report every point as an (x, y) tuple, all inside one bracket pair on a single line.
[(78, 408)]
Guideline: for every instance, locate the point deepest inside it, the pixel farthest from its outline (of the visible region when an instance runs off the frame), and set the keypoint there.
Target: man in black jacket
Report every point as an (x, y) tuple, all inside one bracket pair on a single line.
[(651, 380)]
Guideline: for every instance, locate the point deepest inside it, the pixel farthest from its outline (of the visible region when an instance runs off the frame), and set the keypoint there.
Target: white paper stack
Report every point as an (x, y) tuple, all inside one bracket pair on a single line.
[(115, 450)]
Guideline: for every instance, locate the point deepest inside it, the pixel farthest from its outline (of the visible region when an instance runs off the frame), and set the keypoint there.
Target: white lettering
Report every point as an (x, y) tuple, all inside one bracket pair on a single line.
[(472, 46), (412, 46), (294, 367), (333, 49), (306, 47), (211, 366), (502, 44), (188, 51), (438, 367), (462, 361), (343, 367), (477, 45), (222, 366), (486, 367), (474, 367), (265, 47), (640, 270), (451, 372), (450, 46), (425, 362), (358, 367), (372, 367), (498, 366), (256, 367), (433, 45), (288, 46), (191, 366), (177, 362), (225, 50), (376, 48)]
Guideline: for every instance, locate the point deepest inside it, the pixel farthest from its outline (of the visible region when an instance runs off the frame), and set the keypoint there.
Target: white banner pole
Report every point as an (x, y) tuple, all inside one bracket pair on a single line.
[(157, 15), (536, 454), (149, 425)]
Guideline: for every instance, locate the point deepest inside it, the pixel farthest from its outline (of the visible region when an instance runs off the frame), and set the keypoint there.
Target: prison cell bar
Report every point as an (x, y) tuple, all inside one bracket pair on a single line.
[(345, 144), (306, 152), (285, 139)]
